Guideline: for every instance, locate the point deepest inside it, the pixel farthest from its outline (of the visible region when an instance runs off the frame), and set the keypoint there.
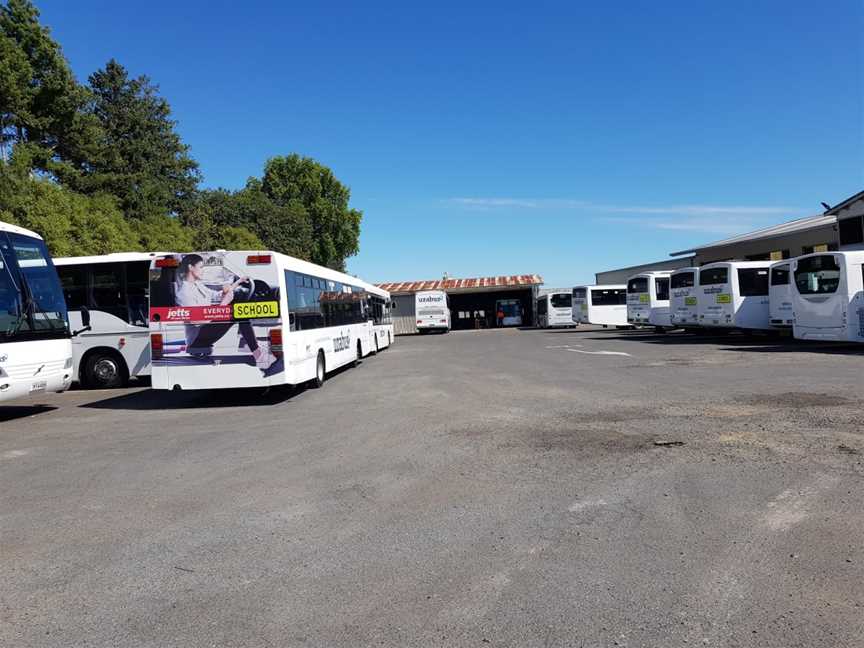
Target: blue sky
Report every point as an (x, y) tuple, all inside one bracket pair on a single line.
[(507, 138)]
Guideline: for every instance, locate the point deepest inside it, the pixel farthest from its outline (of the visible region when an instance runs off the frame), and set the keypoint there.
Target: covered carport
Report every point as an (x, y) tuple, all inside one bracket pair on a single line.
[(473, 301)]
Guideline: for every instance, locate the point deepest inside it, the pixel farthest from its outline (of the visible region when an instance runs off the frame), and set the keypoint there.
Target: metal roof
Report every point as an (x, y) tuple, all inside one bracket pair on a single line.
[(464, 285), (836, 209), (791, 227)]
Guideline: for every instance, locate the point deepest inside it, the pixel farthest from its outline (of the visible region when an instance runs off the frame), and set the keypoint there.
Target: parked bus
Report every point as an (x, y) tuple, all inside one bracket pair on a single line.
[(508, 312), (35, 348), (254, 319), (555, 309), (432, 308), (380, 309), (648, 299), (780, 308), (113, 288), (683, 309), (602, 305), (734, 294), (828, 296)]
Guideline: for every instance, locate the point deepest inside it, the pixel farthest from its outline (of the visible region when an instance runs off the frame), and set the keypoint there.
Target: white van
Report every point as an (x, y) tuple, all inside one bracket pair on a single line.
[(648, 299), (828, 296), (780, 308), (433, 311), (683, 309), (734, 294)]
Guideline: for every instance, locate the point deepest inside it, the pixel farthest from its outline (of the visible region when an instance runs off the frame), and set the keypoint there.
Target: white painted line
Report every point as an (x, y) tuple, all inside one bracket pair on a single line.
[(563, 346), (615, 353)]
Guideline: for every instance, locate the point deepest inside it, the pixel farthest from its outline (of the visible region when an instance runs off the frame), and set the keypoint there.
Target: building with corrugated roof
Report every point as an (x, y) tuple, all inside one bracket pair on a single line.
[(473, 301), (850, 222)]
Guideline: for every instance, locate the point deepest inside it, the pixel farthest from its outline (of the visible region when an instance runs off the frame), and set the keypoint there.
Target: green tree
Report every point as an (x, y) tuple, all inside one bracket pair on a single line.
[(163, 233), (40, 101), (140, 158), (310, 190), (71, 224)]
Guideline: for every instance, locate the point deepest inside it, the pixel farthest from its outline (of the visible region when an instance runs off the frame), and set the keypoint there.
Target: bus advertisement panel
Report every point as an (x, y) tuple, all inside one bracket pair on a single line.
[(208, 312)]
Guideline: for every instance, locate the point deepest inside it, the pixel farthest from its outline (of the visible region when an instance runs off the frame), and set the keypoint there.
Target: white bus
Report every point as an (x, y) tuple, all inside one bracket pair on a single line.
[(683, 309), (780, 308), (602, 305), (380, 313), (648, 299), (433, 311), (113, 288), (734, 294), (35, 348), (828, 296), (254, 319), (555, 309)]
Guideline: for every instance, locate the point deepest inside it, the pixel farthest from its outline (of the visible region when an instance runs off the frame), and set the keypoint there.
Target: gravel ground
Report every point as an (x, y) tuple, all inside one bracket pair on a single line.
[(495, 488)]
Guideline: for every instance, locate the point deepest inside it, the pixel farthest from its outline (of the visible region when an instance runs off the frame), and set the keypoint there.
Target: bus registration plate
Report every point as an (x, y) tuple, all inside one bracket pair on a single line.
[(38, 386), (250, 310)]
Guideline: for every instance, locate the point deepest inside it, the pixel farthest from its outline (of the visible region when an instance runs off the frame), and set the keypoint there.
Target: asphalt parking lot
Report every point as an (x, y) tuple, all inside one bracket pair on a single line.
[(497, 488)]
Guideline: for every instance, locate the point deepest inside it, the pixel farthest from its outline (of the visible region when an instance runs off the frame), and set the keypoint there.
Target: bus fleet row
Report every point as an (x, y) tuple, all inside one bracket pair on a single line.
[(190, 321), (817, 296)]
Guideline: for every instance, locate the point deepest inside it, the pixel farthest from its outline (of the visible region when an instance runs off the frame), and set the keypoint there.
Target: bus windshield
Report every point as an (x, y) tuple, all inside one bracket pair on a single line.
[(31, 300)]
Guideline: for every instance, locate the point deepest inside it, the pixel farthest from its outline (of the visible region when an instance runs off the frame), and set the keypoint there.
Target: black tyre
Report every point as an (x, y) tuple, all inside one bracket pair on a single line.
[(320, 371), (105, 370)]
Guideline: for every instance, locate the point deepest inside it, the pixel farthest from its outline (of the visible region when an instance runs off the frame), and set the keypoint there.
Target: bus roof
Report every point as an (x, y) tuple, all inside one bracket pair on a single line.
[(737, 264), (9, 227), (114, 257), (687, 269), (652, 273)]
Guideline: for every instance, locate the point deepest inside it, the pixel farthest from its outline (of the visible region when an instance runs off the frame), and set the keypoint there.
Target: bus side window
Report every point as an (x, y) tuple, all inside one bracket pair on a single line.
[(107, 289), (662, 288), (137, 284), (74, 281)]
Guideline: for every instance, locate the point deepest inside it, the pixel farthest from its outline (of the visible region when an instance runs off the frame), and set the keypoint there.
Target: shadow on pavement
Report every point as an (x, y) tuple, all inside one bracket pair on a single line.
[(12, 412), (149, 399)]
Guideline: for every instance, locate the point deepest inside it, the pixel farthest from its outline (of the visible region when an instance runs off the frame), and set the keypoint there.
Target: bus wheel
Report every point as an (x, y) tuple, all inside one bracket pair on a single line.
[(320, 371), (359, 356), (104, 370)]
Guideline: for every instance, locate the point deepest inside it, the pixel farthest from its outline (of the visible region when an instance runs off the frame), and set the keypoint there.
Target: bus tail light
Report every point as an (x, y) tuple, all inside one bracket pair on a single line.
[(419, 321), (276, 341), (258, 259), (156, 345), (167, 262)]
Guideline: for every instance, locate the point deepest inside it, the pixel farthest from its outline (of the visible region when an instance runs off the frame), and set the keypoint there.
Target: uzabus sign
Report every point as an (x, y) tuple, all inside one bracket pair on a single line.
[(429, 300)]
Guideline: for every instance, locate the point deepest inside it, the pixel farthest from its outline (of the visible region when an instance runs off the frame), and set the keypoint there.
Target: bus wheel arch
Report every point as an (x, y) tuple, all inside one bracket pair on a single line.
[(320, 370), (103, 368)]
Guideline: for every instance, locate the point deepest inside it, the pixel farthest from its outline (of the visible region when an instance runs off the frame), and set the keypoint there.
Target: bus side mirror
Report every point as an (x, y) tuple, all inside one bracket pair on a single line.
[(85, 320)]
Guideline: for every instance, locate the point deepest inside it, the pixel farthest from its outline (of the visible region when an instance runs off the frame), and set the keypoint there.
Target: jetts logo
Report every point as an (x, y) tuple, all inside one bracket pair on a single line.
[(342, 343), (178, 313)]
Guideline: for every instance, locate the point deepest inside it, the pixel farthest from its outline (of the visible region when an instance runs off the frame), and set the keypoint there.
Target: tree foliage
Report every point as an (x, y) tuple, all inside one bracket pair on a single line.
[(101, 168)]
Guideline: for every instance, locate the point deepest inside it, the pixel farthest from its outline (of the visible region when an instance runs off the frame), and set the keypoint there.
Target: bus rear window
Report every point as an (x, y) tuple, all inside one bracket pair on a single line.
[(562, 300), (661, 287), (817, 275), (752, 282), (610, 297), (780, 276), (683, 280), (579, 293), (713, 276), (638, 285)]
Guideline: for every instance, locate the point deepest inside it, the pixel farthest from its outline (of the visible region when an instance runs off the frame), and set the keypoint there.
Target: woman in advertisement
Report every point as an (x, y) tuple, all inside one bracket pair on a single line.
[(200, 338)]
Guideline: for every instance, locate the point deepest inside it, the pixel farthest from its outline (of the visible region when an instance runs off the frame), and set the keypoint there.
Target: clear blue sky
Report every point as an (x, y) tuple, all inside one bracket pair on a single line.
[(498, 138)]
